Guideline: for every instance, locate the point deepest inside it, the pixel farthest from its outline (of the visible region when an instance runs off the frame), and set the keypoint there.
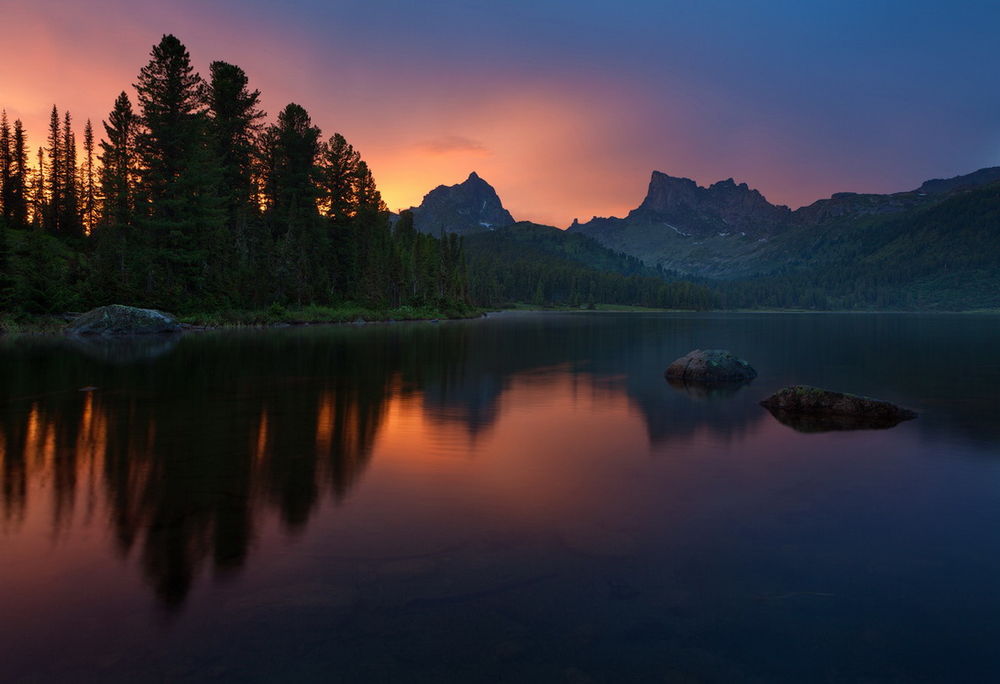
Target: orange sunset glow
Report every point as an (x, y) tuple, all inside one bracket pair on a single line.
[(558, 136)]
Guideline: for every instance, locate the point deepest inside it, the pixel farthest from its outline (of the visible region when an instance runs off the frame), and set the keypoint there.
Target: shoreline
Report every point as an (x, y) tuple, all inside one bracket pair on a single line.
[(55, 325)]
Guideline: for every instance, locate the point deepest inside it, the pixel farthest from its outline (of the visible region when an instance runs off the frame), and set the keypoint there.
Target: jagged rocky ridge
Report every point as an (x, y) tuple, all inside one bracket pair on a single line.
[(730, 230), (469, 207)]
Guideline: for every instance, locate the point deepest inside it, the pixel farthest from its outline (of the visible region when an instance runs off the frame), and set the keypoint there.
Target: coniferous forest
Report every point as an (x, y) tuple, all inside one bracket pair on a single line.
[(190, 200)]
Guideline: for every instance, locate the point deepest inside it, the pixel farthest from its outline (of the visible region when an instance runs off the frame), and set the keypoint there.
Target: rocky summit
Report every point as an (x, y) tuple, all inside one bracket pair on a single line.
[(469, 207), (683, 206), (729, 230)]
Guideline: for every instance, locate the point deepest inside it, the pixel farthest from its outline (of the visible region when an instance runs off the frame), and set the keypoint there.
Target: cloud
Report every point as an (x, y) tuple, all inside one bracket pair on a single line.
[(453, 144)]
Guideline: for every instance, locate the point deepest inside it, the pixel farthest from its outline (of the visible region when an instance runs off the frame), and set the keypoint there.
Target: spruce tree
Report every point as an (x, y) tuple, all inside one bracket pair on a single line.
[(179, 176), (89, 181), (118, 164), (6, 165), (119, 253), (291, 147), (338, 176), (70, 221), (236, 117), (39, 201), (16, 200), (235, 124), (53, 200)]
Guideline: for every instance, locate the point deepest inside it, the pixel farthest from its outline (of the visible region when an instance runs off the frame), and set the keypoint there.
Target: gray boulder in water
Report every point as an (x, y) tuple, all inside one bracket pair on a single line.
[(710, 366), (116, 320), (811, 409)]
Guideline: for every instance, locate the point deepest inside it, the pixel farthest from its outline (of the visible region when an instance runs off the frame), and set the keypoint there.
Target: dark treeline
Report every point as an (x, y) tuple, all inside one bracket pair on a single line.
[(191, 201), (547, 266)]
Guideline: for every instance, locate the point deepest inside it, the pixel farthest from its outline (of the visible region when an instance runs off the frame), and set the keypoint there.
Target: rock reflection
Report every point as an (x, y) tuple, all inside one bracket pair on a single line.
[(703, 391), (125, 349), (815, 422)]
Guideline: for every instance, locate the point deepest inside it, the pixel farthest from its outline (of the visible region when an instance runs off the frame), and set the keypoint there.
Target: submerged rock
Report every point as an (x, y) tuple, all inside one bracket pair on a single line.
[(710, 366), (116, 320), (810, 409)]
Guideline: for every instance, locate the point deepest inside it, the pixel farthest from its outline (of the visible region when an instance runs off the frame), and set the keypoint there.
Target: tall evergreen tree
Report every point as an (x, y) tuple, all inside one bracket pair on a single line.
[(338, 177), (6, 164), (53, 200), (235, 124), (119, 251), (236, 117), (118, 164), (291, 148), (88, 181), (39, 201), (16, 199), (179, 176), (70, 221), (368, 198)]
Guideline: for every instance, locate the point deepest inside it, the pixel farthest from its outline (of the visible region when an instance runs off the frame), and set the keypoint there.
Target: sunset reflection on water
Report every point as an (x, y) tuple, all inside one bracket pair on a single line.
[(523, 494)]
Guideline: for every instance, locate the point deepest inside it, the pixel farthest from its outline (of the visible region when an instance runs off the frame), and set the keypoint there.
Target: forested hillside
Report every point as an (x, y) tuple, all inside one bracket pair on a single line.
[(543, 265), (945, 256)]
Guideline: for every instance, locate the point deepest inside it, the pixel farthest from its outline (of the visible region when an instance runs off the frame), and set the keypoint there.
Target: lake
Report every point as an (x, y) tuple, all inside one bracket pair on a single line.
[(518, 498)]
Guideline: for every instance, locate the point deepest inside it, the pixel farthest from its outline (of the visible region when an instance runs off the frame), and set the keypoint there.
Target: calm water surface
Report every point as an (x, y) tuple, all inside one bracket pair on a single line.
[(521, 498)]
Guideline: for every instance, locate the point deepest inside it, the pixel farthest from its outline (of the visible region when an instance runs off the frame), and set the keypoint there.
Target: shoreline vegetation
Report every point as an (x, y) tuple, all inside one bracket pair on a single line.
[(280, 317)]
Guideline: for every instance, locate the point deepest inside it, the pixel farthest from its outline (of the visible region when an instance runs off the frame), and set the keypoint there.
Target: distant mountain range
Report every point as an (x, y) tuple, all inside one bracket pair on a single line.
[(935, 247), (728, 230)]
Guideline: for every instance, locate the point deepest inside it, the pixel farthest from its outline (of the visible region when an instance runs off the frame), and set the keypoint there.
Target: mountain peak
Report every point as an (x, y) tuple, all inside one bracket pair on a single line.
[(471, 206), (723, 207)]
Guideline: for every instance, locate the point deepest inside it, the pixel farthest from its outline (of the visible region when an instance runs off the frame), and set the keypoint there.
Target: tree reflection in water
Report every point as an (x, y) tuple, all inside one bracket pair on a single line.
[(188, 446)]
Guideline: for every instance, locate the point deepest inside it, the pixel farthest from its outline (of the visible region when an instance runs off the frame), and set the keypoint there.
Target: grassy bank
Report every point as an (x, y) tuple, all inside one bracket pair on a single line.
[(588, 307), (279, 315)]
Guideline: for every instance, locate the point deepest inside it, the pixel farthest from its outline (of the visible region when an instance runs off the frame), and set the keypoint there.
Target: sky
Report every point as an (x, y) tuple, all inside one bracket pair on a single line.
[(565, 107)]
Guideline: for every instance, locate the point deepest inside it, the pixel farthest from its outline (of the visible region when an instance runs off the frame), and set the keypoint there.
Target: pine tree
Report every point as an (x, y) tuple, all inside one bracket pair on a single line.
[(236, 117), (6, 165), (119, 252), (89, 181), (118, 164), (16, 200), (338, 177), (53, 202), (368, 198), (291, 147), (236, 122), (40, 204), (70, 221), (179, 176)]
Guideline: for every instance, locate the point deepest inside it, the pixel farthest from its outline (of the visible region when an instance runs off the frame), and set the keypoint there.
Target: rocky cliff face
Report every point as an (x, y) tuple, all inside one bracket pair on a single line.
[(469, 207), (730, 230), (724, 207)]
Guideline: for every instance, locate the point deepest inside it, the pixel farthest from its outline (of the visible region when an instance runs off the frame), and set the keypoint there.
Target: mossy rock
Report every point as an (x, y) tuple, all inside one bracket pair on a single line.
[(116, 320), (710, 366), (811, 409)]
